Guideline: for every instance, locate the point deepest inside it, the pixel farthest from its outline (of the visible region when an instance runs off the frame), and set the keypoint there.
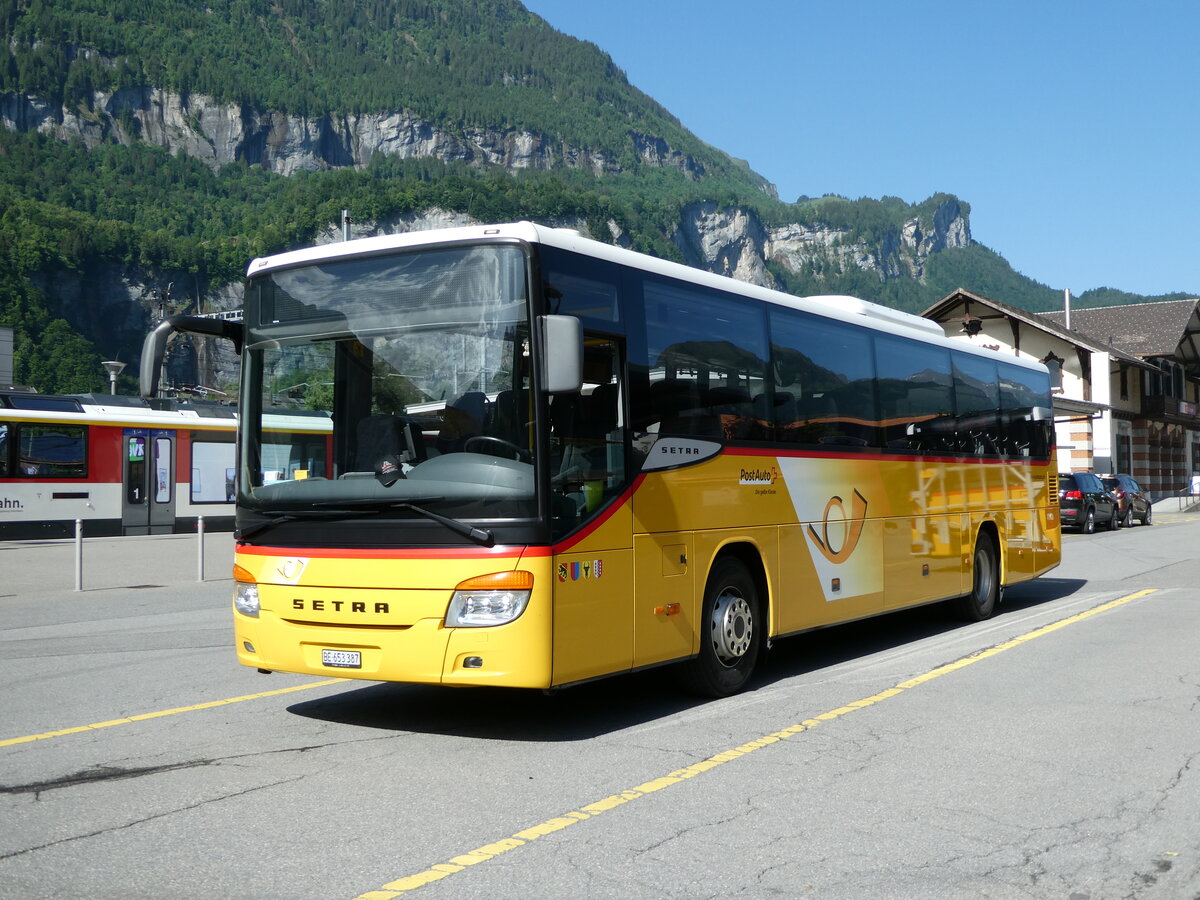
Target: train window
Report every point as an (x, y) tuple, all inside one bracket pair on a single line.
[(164, 479), (52, 451), (212, 471), (42, 402), (4, 445)]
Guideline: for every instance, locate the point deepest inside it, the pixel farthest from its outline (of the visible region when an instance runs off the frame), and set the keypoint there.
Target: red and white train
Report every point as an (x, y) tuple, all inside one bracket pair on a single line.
[(119, 464)]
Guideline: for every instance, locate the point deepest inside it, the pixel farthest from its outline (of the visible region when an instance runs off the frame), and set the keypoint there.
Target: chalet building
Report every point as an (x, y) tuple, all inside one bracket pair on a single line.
[(1126, 380)]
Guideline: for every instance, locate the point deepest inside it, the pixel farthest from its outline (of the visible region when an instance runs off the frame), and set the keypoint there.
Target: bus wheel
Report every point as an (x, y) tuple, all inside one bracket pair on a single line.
[(985, 589), (731, 632)]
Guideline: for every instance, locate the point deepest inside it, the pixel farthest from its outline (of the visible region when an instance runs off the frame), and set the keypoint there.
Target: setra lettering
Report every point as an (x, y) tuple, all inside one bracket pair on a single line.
[(352, 606)]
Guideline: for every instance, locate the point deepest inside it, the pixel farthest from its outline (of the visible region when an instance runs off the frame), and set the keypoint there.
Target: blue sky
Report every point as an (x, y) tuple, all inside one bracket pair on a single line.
[(1071, 128)]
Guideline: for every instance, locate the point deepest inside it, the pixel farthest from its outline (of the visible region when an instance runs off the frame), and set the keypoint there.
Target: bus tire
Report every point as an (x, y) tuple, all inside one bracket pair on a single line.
[(980, 603), (732, 630)]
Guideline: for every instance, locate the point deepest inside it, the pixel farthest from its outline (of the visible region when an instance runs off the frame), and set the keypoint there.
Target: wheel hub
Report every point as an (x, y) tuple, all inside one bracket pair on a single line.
[(732, 627)]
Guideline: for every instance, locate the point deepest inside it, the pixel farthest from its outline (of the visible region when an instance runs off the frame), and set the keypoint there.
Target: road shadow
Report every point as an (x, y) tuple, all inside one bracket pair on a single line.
[(590, 710)]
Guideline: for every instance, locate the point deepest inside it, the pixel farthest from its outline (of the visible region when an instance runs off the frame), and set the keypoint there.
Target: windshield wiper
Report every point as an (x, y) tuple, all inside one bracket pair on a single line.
[(482, 536), (278, 518)]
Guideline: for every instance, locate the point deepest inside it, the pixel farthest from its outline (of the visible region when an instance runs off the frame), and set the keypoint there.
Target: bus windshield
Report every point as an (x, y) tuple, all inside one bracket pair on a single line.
[(420, 363)]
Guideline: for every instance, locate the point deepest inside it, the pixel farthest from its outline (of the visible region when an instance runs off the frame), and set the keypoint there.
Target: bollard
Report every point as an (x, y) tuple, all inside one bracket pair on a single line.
[(79, 554), (200, 550)]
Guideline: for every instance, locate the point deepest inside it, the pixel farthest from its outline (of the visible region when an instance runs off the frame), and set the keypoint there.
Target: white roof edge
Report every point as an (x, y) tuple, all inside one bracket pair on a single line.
[(836, 306), (526, 231)]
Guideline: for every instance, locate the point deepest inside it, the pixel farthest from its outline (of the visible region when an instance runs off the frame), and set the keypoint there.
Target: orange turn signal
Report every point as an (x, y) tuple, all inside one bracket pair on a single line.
[(499, 581)]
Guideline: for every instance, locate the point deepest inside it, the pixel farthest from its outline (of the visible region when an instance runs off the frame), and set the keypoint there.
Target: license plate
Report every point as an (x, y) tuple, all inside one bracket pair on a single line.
[(342, 659)]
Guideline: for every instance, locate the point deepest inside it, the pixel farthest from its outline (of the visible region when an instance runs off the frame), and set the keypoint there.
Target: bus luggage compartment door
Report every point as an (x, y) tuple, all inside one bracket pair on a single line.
[(148, 482)]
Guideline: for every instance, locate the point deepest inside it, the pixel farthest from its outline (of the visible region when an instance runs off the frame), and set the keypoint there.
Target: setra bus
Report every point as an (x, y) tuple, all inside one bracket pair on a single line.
[(553, 460)]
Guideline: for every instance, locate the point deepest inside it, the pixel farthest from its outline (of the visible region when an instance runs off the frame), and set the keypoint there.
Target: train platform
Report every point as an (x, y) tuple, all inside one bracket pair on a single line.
[(57, 569)]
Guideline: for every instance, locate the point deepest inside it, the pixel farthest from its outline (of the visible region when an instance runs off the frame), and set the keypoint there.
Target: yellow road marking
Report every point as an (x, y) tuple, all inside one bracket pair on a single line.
[(550, 826), (141, 717)]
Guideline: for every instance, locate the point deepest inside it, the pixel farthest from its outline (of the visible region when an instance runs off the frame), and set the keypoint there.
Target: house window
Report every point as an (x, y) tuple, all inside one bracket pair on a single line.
[(1124, 453), (1124, 374), (1054, 364)]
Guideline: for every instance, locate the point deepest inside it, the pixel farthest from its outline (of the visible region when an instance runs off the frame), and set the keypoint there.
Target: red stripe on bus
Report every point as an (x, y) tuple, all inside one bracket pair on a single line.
[(882, 457), (509, 552)]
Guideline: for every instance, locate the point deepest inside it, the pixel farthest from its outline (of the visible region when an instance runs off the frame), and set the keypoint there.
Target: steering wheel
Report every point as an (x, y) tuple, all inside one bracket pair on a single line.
[(512, 450)]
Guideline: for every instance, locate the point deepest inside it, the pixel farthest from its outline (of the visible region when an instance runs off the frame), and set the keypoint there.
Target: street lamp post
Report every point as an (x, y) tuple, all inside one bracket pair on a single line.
[(113, 368)]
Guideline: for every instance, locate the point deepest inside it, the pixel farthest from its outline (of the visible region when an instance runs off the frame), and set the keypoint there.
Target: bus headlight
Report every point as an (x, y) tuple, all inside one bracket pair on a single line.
[(489, 600), (245, 599)]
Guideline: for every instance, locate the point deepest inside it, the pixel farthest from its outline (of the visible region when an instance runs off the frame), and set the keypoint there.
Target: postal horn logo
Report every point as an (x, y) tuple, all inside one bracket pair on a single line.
[(851, 530), (290, 570)]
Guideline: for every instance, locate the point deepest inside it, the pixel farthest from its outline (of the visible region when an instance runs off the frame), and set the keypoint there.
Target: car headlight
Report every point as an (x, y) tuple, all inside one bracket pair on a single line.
[(489, 600), (245, 599)]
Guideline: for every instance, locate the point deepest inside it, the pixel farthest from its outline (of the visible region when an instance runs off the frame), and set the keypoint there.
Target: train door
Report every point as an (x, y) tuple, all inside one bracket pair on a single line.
[(148, 481)]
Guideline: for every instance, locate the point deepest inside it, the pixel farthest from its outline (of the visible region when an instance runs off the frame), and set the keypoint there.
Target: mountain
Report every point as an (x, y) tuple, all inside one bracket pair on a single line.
[(151, 148)]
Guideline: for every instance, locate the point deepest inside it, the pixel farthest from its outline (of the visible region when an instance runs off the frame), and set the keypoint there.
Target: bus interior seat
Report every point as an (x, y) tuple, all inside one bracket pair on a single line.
[(774, 412), (603, 408), (462, 418), (731, 410), (504, 421), (383, 435), (816, 407), (583, 424), (676, 405)]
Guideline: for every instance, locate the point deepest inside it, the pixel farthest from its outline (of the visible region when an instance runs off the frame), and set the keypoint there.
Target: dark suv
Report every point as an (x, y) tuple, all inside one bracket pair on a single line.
[(1083, 501), (1133, 502)]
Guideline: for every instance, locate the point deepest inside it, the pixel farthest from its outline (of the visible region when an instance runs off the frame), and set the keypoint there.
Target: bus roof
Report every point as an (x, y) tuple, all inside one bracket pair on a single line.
[(845, 308)]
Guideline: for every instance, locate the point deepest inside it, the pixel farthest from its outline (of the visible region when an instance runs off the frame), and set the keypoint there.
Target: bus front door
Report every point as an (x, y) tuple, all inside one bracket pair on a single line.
[(148, 482)]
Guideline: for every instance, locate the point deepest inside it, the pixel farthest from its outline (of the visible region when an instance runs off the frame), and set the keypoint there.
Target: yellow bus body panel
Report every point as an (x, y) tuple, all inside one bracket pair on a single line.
[(392, 610)]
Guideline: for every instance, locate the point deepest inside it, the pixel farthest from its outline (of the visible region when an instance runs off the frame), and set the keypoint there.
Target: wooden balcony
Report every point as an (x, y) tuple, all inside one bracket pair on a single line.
[(1172, 410)]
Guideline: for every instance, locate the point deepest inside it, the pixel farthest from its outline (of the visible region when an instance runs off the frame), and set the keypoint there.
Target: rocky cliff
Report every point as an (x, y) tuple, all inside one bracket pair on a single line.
[(285, 144), (114, 309)]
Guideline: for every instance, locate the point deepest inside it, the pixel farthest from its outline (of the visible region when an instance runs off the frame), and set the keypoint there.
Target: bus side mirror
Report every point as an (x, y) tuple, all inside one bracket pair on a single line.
[(562, 354), (154, 347)]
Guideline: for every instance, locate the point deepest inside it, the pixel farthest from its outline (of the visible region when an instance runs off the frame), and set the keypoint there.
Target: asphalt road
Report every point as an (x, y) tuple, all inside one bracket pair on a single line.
[(1053, 751)]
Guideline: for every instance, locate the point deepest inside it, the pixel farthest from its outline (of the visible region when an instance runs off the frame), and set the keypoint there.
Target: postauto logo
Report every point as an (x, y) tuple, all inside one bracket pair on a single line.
[(837, 544)]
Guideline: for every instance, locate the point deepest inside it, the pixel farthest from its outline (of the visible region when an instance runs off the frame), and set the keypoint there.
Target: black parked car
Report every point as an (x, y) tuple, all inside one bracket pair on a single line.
[(1133, 502), (1084, 501)]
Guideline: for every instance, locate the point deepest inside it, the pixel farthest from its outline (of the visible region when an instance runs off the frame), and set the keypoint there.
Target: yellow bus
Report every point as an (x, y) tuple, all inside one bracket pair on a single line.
[(552, 460)]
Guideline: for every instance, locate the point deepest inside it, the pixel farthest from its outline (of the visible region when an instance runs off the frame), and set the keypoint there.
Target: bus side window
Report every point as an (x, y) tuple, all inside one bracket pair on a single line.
[(588, 432), (916, 395), (707, 362), (978, 405), (1022, 391), (823, 382)]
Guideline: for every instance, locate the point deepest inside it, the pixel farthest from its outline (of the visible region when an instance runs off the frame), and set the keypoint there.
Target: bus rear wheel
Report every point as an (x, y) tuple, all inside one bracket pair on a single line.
[(980, 604), (731, 627)]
